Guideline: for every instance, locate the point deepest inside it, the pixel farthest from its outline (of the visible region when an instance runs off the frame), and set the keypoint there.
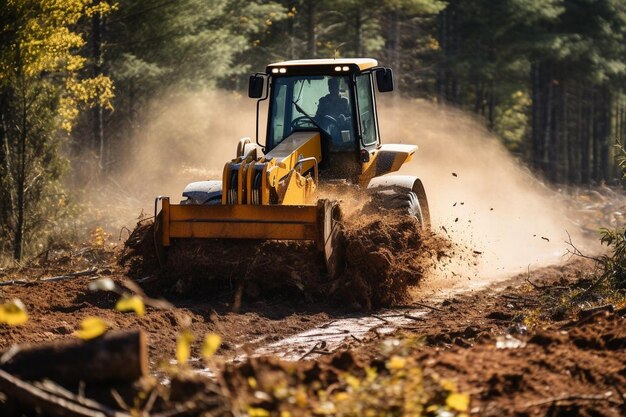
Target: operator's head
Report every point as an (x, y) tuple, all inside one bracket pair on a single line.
[(333, 86)]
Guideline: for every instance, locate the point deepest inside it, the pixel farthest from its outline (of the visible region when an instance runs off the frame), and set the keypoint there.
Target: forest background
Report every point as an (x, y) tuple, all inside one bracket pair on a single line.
[(77, 76)]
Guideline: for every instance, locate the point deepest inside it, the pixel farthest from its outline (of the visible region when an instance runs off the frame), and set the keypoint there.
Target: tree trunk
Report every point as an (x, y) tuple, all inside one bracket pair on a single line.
[(491, 106), (311, 35), (358, 33), (548, 132), (585, 142), (97, 122), (536, 115), (114, 357), (395, 43), (605, 162), (443, 44), (18, 240)]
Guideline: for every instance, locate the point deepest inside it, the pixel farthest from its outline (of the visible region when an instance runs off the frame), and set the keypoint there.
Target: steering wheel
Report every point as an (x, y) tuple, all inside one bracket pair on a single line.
[(301, 121), (331, 124)]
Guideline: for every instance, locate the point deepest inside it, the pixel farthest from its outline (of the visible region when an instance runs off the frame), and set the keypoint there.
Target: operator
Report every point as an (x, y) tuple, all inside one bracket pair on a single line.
[(332, 104)]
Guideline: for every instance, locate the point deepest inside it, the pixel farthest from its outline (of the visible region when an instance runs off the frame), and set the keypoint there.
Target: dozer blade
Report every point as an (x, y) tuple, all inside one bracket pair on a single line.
[(319, 223)]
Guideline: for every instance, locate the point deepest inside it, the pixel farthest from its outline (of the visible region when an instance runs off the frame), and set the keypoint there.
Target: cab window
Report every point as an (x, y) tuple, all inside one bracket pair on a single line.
[(312, 102), (366, 109)]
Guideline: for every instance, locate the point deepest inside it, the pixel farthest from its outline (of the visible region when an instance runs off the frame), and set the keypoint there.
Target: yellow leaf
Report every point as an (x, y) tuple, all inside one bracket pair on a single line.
[(301, 398), (285, 413), (353, 381), (211, 344), (91, 327), (252, 382), (370, 373), (131, 303), (396, 362), (258, 412), (341, 396), (183, 346), (13, 313), (458, 402), (448, 385)]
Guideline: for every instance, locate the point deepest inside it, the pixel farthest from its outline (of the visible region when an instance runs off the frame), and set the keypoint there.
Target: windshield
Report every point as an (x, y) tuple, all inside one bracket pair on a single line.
[(312, 102)]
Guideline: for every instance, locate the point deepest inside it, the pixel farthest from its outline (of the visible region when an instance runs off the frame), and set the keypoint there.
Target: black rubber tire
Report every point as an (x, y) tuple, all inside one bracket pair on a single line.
[(415, 209), (407, 202), (419, 191)]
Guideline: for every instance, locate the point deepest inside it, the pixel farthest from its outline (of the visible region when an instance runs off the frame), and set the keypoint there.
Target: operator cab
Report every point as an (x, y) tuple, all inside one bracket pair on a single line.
[(333, 96)]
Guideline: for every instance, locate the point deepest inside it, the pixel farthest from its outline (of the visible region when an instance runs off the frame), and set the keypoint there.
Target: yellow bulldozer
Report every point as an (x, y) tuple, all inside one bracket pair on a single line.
[(322, 129)]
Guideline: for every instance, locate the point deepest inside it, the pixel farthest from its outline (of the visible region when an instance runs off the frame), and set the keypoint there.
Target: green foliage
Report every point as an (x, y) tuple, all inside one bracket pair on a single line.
[(511, 121), (621, 158), (42, 90), (614, 265), (192, 44), (392, 383), (479, 55)]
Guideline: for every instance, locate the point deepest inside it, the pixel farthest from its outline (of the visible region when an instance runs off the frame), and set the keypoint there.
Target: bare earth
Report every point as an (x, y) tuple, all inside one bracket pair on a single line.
[(556, 366)]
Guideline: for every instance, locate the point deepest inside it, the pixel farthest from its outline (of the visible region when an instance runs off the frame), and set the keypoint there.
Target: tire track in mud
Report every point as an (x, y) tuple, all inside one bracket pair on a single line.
[(330, 336), (355, 329)]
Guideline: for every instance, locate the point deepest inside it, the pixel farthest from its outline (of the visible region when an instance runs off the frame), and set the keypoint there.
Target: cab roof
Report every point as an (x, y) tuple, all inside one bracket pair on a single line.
[(321, 66)]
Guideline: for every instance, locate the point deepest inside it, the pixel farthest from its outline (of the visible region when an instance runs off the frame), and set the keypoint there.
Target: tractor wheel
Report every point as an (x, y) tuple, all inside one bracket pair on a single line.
[(407, 202)]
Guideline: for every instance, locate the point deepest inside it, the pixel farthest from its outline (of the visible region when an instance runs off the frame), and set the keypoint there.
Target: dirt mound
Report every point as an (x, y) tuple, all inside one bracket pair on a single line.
[(386, 253)]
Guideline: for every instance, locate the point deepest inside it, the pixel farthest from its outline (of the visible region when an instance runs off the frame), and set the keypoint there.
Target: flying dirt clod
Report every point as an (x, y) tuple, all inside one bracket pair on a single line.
[(322, 129)]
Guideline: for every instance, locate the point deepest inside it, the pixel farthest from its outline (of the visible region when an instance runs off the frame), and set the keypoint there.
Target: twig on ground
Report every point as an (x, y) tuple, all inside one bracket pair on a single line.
[(86, 272), (8, 355), (578, 252), (147, 408), (535, 286), (355, 338), (582, 320), (513, 297), (384, 320), (410, 317), (15, 282), (52, 388), (119, 400), (315, 349), (427, 306), (191, 406), (582, 397)]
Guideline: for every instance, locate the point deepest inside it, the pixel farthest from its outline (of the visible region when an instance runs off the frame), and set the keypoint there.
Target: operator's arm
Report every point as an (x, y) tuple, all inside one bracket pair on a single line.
[(345, 107)]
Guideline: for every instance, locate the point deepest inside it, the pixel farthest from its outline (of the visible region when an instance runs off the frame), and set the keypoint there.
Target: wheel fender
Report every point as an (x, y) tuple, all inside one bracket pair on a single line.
[(407, 182), (203, 192)]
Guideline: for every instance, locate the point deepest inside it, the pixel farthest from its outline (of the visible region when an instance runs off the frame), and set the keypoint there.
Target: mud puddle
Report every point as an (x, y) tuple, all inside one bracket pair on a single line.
[(329, 337)]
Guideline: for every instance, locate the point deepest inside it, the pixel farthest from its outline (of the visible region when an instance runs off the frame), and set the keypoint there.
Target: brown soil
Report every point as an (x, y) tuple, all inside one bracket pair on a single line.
[(386, 254), (572, 367), (568, 367), (564, 366), (56, 309)]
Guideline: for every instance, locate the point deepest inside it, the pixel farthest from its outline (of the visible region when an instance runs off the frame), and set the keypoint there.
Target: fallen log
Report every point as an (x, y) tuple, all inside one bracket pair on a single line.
[(117, 356), (50, 404)]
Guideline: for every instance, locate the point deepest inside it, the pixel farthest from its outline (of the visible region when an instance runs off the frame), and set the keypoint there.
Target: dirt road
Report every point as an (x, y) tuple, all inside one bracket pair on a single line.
[(480, 338)]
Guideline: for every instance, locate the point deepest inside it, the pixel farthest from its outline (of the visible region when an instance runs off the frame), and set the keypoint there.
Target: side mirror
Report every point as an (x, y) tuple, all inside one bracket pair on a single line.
[(384, 79), (255, 86)]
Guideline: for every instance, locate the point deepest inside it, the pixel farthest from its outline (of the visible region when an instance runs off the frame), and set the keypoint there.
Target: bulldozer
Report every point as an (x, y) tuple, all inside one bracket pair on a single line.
[(322, 128)]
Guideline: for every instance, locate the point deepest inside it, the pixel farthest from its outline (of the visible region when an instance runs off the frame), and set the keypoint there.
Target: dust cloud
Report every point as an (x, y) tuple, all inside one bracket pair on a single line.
[(479, 195), (183, 139), (493, 205)]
